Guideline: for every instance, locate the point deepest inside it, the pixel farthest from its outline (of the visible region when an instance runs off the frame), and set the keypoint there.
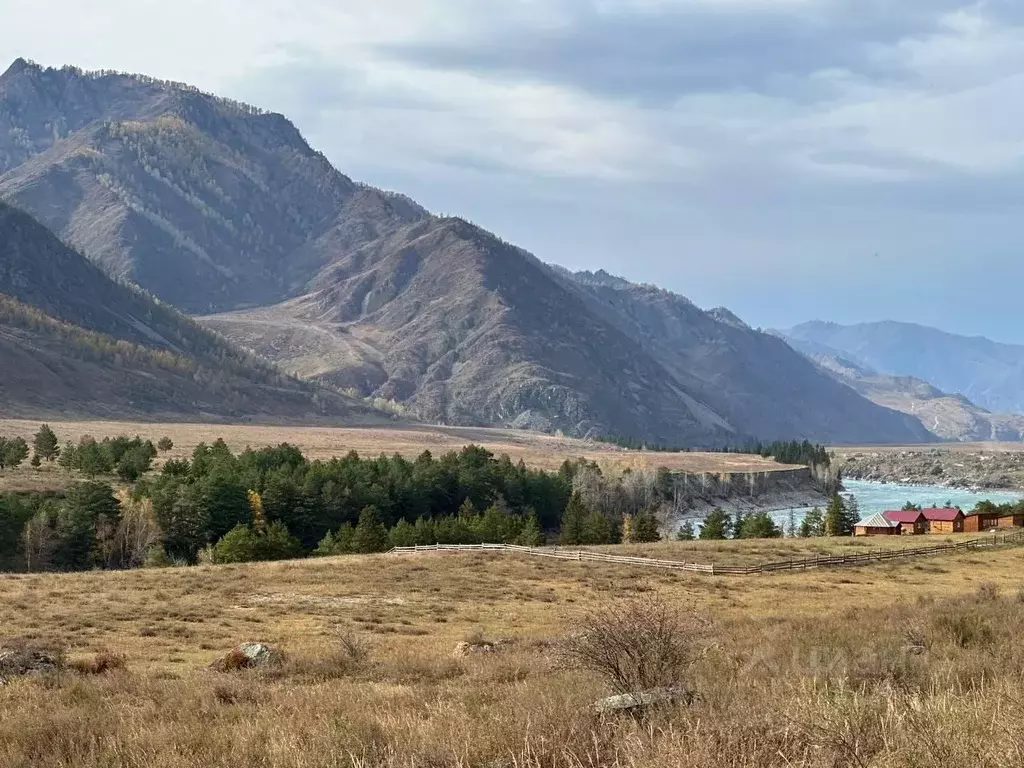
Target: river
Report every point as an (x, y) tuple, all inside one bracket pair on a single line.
[(878, 497)]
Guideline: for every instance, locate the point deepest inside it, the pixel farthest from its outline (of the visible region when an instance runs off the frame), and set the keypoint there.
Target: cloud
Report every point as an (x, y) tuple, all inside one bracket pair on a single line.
[(719, 147)]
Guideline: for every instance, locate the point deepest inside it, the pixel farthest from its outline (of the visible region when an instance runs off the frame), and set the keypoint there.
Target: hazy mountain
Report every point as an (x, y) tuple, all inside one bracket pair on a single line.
[(950, 417), (216, 207), (986, 372), (73, 341)]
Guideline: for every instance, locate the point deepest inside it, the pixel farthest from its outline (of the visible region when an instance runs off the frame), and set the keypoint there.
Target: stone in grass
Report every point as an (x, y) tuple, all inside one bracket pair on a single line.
[(465, 649), (633, 703), (247, 656), (20, 659)]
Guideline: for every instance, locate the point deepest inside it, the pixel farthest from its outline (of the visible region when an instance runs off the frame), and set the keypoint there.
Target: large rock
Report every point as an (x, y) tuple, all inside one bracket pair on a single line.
[(19, 661), (631, 703), (247, 656)]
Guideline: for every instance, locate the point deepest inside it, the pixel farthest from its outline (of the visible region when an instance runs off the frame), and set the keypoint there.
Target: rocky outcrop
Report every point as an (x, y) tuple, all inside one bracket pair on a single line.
[(943, 467), (694, 495)]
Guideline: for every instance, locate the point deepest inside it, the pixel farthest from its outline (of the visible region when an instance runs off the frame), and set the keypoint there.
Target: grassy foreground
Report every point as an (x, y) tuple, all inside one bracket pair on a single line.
[(808, 669)]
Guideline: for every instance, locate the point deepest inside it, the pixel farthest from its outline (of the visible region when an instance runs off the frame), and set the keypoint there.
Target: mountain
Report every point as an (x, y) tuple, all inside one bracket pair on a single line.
[(463, 327), (950, 417), (225, 212), (202, 201), (986, 372), (73, 341)]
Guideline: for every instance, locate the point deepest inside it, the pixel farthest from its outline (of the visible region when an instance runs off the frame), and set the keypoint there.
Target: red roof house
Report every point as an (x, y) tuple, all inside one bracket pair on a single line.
[(912, 521), (944, 519)]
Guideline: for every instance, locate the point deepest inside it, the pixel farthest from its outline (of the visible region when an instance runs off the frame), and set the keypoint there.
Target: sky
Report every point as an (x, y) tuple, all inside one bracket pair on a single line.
[(848, 160)]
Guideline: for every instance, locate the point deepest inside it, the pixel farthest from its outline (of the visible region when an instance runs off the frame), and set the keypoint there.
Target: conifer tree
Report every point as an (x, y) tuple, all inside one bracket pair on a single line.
[(759, 526), (531, 535), (572, 521), (67, 456), (597, 529), (813, 524), (685, 532), (45, 444), (716, 525), (370, 534), (837, 518), (645, 528)]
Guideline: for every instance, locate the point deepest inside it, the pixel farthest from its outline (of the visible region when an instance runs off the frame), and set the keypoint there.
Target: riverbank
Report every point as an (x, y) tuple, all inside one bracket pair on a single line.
[(937, 467)]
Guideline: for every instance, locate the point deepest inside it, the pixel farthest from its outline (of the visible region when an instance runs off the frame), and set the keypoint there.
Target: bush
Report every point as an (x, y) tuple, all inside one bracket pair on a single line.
[(164, 444), (637, 645), (244, 544)]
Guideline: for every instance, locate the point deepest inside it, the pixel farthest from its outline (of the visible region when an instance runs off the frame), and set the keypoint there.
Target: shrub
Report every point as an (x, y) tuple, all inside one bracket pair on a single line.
[(637, 644), (100, 664), (165, 444), (243, 544)]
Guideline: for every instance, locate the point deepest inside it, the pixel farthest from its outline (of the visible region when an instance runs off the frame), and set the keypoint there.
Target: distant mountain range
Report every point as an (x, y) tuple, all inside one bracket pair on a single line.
[(226, 213), (914, 369)]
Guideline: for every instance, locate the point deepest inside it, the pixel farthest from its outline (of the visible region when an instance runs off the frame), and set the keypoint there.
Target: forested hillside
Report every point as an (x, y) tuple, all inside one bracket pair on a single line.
[(73, 341)]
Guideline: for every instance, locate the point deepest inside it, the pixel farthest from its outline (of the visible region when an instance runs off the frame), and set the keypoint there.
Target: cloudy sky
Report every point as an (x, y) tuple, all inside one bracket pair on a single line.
[(790, 159)]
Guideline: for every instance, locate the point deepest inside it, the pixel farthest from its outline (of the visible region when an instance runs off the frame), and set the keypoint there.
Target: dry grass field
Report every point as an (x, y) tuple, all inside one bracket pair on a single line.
[(537, 450), (745, 552), (909, 664)]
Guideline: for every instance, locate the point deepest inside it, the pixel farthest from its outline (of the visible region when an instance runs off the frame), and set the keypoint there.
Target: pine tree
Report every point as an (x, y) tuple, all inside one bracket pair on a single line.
[(164, 444), (685, 532), (597, 529), (370, 534), (531, 535), (737, 524), (837, 518), (13, 451), (466, 509), (572, 520), (403, 534), (716, 525), (813, 524), (45, 444), (791, 529), (67, 457), (645, 528), (760, 525)]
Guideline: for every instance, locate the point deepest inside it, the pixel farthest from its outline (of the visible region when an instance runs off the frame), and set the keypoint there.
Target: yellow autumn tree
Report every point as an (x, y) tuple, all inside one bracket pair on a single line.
[(259, 522)]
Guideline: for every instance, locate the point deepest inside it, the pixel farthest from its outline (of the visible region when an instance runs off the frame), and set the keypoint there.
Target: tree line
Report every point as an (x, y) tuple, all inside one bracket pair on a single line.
[(839, 518), (217, 505), (782, 451)]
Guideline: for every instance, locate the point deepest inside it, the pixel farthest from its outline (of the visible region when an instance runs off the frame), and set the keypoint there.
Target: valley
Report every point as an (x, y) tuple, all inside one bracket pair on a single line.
[(361, 297)]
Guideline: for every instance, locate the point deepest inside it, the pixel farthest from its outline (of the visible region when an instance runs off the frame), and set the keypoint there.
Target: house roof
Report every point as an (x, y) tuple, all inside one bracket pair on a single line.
[(877, 521), (941, 514), (903, 515), (991, 513)]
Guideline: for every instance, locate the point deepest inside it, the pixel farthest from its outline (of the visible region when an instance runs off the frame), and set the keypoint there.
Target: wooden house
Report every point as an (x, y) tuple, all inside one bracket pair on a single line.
[(877, 525), (976, 522), (912, 522), (944, 519)]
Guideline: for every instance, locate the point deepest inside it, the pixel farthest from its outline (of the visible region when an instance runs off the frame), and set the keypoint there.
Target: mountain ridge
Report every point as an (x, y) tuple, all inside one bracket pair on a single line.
[(224, 211), (987, 372)]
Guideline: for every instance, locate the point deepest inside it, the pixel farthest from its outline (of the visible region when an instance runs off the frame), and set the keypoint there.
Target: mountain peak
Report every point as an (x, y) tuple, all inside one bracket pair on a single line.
[(18, 66)]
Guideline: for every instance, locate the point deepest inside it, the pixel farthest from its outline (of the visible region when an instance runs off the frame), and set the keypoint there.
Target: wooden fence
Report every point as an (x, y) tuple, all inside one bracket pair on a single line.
[(822, 561)]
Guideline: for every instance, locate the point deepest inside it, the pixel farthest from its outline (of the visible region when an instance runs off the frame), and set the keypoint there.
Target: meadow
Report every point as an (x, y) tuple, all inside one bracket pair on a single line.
[(536, 449), (913, 663)]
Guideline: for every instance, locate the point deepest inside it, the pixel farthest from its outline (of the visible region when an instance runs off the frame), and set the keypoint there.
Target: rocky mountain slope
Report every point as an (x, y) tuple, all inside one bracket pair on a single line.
[(74, 341), (950, 417), (218, 208), (986, 372)]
